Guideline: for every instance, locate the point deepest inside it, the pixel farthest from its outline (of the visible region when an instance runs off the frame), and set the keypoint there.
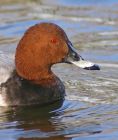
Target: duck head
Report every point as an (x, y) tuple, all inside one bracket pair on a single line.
[(42, 46)]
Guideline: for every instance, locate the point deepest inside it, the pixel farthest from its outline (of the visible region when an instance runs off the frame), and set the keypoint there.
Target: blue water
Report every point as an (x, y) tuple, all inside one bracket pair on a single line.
[(86, 3)]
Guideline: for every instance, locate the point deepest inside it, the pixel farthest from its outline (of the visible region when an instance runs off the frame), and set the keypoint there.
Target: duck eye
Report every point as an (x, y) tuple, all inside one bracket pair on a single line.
[(54, 40)]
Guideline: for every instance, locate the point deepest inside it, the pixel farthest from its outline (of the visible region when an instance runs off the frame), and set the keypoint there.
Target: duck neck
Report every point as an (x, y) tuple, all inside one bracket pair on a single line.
[(46, 79)]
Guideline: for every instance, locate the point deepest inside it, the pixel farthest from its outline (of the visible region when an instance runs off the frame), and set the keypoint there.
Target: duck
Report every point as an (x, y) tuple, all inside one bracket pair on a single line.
[(30, 80)]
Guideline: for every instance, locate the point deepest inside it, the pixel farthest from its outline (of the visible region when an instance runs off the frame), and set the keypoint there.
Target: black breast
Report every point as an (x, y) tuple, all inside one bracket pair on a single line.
[(18, 91)]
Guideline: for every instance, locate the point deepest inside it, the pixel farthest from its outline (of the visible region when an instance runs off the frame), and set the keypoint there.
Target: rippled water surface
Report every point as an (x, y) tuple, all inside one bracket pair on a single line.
[(90, 110)]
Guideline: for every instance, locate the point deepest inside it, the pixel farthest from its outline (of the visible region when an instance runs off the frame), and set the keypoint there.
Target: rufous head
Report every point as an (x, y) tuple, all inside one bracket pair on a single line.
[(41, 46)]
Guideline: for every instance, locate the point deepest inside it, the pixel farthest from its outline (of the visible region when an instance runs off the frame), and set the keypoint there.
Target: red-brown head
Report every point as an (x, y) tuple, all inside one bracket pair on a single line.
[(41, 46)]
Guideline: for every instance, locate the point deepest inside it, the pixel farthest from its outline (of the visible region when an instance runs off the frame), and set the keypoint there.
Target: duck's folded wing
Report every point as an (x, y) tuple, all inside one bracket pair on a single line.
[(6, 66)]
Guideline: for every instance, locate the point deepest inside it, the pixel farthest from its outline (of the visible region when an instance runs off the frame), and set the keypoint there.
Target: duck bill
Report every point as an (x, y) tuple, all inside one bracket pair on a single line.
[(76, 59)]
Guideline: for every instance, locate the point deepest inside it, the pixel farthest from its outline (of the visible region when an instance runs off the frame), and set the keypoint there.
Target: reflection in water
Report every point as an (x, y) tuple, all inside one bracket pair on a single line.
[(90, 110), (52, 121), (58, 121), (29, 122)]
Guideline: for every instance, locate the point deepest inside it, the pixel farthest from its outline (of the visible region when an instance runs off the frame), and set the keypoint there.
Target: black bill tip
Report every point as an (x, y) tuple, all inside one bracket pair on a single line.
[(94, 67)]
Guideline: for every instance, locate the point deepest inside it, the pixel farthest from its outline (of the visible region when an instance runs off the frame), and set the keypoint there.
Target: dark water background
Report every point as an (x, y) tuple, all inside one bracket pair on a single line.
[(90, 110)]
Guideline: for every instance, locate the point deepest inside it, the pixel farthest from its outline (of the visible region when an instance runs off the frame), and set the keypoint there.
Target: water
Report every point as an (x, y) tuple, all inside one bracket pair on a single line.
[(90, 110)]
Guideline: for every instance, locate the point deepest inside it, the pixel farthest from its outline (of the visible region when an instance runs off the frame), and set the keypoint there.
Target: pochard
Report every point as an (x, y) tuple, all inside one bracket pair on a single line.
[(31, 80)]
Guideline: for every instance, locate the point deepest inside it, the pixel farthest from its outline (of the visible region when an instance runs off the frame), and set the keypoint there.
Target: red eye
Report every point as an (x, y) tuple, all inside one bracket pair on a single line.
[(54, 40)]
